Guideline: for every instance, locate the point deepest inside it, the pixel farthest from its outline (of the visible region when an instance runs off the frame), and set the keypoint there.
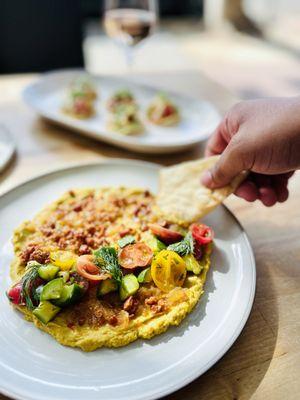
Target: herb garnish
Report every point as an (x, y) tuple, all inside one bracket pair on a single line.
[(107, 260), (28, 285), (126, 240), (184, 247)]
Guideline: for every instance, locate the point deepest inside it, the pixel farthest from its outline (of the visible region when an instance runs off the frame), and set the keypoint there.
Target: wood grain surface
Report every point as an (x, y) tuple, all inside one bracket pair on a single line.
[(264, 362)]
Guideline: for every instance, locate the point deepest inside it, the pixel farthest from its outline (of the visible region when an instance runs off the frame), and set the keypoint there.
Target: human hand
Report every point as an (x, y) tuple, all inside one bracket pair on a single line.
[(263, 137)]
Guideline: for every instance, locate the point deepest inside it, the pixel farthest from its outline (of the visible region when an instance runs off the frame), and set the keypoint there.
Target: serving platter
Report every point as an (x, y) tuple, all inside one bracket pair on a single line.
[(33, 366), (199, 117)]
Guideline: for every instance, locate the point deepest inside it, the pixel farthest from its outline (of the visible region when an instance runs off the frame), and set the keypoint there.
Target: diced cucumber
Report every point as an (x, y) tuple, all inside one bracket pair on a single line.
[(192, 264), (106, 286), (129, 286), (46, 311), (39, 290), (52, 290), (69, 294), (156, 245), (65, 275), (129, 239), (145, 276), (48, 271)]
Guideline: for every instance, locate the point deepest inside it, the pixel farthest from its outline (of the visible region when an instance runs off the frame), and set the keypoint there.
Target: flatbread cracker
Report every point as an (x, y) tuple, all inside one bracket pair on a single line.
[(182, 198)]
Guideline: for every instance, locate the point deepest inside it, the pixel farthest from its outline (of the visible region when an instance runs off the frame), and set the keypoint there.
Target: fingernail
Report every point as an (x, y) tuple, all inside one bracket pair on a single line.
[(206, 179)]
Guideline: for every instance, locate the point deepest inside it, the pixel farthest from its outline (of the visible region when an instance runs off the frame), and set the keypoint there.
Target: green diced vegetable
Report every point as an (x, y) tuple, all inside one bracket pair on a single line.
[(52, 290), (145, 276), (32, 264), (126, 240), (129, 286), (156, 245), (107, 286), (46, 311), (192, 264), (70, 294), (65, 275), (38, 291), (48, 271)]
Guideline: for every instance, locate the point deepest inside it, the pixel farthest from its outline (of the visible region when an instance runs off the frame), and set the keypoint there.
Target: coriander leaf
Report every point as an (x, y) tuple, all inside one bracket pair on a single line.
[(184, 247), (129, 239), (107, 260)]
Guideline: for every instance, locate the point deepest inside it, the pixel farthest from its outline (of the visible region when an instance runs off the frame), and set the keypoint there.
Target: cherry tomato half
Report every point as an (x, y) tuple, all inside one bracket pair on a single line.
[(63, 259), (14, 293), (165, 235), (135, 255), (168, 270), (202, 233), (86, 268)]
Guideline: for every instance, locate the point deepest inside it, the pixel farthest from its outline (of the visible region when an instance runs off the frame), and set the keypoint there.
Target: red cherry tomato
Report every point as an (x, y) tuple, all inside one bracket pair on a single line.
[(169, 110), (135, 255), (165, 235), (202, 233), (14, 294), (86, 268)]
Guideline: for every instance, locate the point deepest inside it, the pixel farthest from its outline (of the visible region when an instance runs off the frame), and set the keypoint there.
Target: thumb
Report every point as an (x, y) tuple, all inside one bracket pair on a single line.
[(230, 164)]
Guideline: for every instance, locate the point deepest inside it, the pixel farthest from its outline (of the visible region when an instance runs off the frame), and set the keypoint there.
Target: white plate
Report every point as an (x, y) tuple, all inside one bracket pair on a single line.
[(34, 366), (7, 147), (199, 118)]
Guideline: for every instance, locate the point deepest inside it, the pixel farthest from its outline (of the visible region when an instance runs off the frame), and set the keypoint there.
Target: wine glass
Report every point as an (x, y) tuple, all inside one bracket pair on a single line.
[(128, 22)]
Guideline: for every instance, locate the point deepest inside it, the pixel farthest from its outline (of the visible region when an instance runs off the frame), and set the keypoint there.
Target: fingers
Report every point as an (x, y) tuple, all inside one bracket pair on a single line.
[(266, 188), (267, 196), (227, 168), (217, 142), (247, 191)]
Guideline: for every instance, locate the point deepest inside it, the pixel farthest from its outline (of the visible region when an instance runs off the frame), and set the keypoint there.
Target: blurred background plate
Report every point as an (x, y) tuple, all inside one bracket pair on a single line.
[(7, 147), (198, 118), (33, 366)]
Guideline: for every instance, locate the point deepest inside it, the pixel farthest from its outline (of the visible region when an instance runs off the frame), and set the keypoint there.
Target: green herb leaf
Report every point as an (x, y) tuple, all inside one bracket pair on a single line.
[(126, 240), (184, 247), (28, 287), (107, 260)]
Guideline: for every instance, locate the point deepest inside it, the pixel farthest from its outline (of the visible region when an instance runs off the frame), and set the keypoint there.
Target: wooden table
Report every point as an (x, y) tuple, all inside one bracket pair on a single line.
[(264, 363)]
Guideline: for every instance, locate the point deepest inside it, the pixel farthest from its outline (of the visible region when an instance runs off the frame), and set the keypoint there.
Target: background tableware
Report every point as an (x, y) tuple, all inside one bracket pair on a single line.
[(199, 118)]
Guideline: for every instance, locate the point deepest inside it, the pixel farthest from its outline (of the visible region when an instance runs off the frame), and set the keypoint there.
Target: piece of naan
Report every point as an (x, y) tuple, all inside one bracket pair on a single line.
[(183, 198)]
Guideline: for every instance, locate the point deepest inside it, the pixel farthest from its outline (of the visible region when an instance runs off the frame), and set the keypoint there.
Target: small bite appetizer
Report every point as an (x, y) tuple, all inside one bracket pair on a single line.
[(121, 98), (83, 87), (125, 121), (80, 97), (79, 107), (162, 111)]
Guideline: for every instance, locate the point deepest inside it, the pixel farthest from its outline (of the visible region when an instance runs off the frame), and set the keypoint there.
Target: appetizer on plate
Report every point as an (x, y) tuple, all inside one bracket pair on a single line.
[(80, 99), (120, 98), (162, 111), (99, 268), (78, 107), (83, 87), (125, 120)]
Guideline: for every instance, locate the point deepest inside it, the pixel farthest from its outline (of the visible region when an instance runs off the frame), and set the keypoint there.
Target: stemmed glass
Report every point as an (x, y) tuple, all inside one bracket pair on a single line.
[(128, 22)]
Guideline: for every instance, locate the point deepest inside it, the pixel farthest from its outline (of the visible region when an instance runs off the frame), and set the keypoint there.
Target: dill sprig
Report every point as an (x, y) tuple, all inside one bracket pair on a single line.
[(107, 260)]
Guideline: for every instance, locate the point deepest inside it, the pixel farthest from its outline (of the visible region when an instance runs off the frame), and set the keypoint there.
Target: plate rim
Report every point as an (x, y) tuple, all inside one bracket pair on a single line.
[(243, 320), (114, 138)]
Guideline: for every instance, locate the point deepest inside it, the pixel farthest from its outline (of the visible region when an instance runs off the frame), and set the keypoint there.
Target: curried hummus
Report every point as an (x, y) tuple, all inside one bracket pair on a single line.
[(98, 267)]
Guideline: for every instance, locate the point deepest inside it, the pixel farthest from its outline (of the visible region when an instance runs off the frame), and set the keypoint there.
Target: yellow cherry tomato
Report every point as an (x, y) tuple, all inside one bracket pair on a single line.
[(168, 270), (63, 259)]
